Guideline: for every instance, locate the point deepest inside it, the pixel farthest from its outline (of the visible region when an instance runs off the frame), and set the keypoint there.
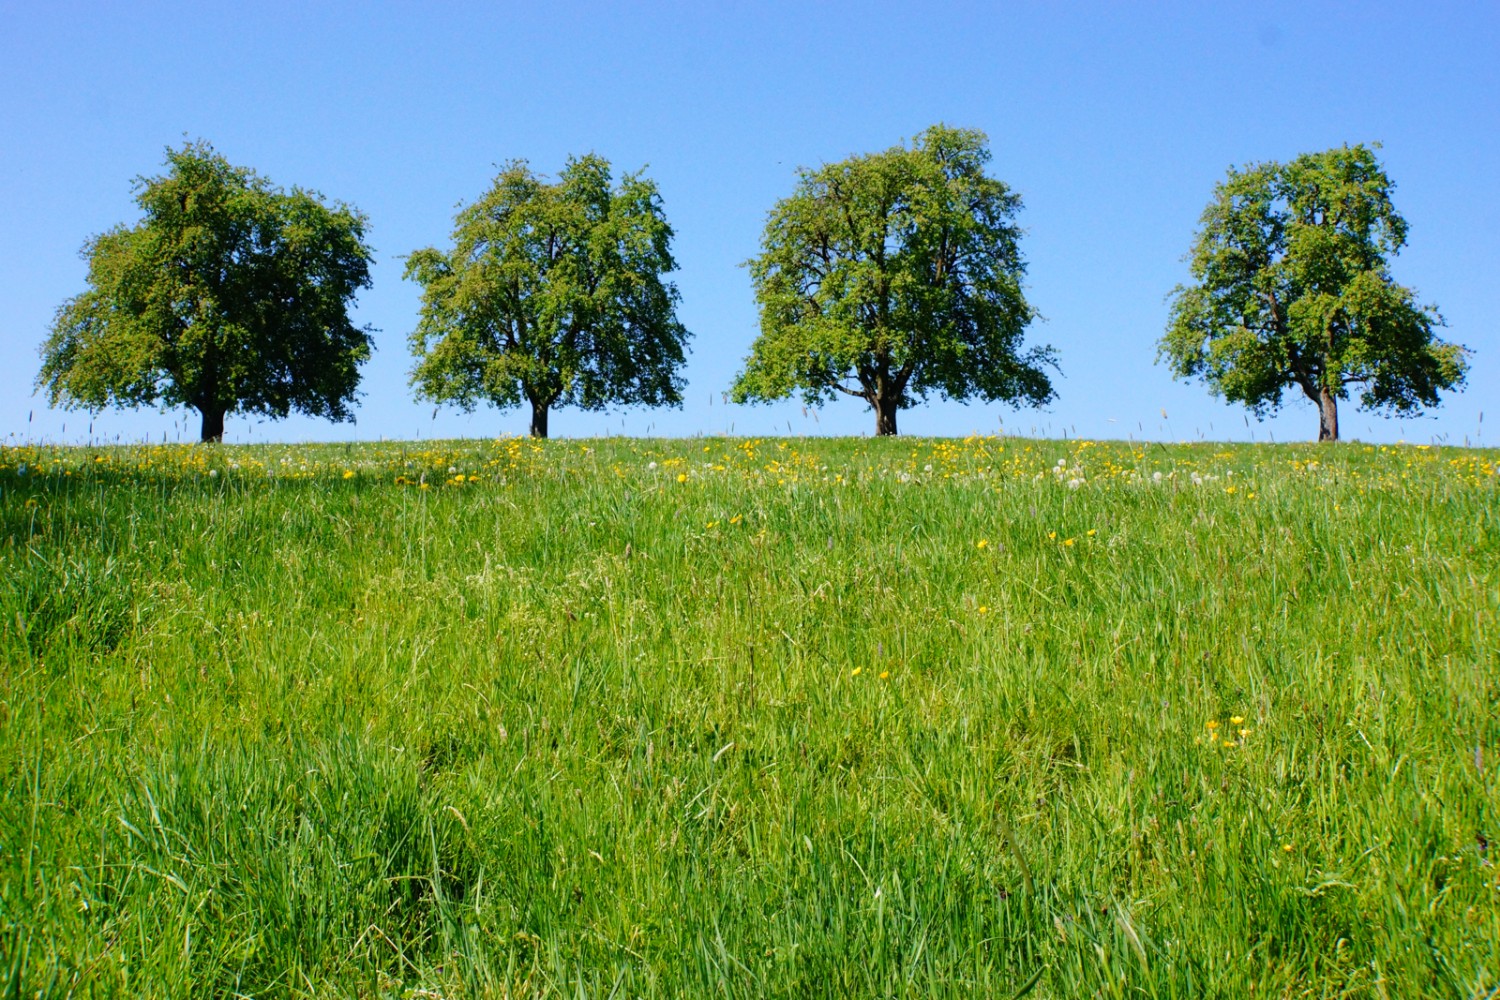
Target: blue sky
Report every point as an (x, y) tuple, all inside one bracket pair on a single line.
[(1113, 122)]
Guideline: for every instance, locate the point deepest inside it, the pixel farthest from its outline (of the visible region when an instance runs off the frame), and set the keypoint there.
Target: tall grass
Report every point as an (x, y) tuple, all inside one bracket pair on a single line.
[(739, 718)]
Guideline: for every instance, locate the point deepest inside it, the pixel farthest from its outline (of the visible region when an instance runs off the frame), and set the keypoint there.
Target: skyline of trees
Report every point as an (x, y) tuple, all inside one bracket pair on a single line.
[(887, 277)]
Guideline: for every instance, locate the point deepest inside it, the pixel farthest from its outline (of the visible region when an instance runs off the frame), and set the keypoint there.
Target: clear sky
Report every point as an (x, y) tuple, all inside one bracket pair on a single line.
[(1113, 122)]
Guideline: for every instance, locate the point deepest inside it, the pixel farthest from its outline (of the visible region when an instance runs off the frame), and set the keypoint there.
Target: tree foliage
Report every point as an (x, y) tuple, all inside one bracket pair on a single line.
[(553, 294), (894, 275), (229, 296), (1292, 289)]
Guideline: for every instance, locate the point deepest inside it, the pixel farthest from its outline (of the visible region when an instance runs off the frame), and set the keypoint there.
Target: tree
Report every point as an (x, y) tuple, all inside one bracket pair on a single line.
[(229, 296), (894, 275), (1292, 290), (552, 293)]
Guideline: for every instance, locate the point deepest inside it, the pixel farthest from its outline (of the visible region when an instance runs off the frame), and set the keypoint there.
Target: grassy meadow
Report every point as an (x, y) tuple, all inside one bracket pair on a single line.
[(743, 718)]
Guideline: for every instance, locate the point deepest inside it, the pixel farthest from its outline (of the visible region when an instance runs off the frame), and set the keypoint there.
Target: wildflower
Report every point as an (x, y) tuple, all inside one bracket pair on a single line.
[(650, 466), (735, 519), (1156, 477), (212, 473), (982, 543), (682, 477), (348, 474), (1287, 848), (984, 609), (1052, 535), (1092, 532), (856, 671), (884, 674), (1212, 724), (1073, 484), (1236, 719), (1244, 734), (1069, 542)]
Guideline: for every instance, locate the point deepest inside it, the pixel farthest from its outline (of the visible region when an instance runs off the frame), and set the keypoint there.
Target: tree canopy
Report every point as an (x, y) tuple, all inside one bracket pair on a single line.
[(1292, 289), (893, 275), (553, 294), (229, 296)]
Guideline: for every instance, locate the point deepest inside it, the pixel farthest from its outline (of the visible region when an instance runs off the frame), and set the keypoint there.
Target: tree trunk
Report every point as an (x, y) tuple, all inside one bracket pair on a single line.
[(213, 425), (1328, 416), (538, 419), (885, 416)]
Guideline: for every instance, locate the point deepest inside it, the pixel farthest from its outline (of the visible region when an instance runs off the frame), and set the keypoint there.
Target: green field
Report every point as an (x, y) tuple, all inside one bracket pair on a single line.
[(722, 717)]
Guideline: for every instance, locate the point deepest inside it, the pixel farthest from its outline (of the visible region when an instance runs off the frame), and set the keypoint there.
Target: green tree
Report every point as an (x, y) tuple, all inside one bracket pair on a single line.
[(1292, 290), (229, 296), (894, 275), (552, 294)]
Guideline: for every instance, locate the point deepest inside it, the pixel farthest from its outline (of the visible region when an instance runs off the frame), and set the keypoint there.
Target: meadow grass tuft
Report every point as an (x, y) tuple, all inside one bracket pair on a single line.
[(726, 717)]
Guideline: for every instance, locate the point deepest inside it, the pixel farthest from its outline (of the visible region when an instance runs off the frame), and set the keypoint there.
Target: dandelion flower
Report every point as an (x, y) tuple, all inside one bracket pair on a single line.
[(1236, 719), (1212, 724), (348, 473), (856, 671), (1092, 532), (1287, 848), (982, 543), (884, 674), (682, 477)]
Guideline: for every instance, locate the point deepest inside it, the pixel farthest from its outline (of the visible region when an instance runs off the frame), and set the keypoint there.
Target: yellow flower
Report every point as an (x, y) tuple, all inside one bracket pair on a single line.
[(1287, 848), (682, 477), (735, 519), (1212, 724), (1244, 734), (884, 674), (1092, 532), (1229, 743), (984, 609), (1069, 542), (348, 474), (982, 543), (856, 671), (712, 524), (1236, 719), (1052, 534)]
